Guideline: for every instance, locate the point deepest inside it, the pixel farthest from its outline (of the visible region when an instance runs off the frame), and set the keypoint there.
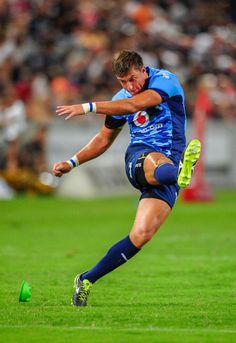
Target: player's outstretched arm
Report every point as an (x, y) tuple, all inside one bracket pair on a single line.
[(139, 102), (97, 146)]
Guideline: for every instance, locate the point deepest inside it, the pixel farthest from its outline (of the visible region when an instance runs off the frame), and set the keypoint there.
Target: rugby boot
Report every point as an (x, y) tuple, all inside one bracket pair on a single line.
[(82, 290), (190, 157)]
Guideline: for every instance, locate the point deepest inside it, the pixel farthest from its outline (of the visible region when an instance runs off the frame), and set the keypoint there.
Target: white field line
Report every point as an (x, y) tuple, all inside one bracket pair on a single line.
[(100, 328)]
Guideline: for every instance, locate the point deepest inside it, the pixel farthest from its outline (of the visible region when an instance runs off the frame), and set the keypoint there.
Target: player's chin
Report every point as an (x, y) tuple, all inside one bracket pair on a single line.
[(136, 92)]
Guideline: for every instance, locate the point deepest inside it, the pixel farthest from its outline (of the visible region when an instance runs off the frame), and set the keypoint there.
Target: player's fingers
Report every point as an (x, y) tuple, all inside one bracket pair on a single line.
[(57, 169), (56, 166), (63, 109), (62, 112), (70, 116), (57, 173)]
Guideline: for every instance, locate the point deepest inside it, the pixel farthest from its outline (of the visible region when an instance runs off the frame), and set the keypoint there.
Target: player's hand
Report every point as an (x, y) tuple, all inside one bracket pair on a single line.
[(70, 111), (61, 168)]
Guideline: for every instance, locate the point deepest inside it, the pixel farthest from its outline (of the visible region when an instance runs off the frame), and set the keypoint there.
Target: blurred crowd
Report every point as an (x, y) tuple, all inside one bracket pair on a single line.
[(59, 52)]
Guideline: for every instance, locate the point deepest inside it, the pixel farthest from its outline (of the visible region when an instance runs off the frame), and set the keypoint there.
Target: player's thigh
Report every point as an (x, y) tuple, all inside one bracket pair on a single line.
[(153, 160), (151, 214)]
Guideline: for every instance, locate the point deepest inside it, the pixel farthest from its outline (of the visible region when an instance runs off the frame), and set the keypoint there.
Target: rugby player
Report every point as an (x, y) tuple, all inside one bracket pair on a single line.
[(158, 163)]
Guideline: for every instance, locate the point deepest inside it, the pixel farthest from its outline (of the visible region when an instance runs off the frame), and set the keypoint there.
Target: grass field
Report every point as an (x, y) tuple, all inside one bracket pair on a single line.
[(180, 288)]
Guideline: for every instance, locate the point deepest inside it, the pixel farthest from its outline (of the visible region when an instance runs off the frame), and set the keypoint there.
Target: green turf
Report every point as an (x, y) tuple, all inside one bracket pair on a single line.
[(180, 288)]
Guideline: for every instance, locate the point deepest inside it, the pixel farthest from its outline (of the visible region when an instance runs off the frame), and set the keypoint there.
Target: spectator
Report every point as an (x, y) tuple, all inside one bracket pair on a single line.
[(13, 124)]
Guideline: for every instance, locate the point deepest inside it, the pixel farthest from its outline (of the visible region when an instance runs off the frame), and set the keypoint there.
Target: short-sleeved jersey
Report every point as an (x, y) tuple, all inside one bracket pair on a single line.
[(162, 127)]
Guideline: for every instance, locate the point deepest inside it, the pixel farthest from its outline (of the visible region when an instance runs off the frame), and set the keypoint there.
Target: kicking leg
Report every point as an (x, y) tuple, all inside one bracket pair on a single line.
[(159, 169)]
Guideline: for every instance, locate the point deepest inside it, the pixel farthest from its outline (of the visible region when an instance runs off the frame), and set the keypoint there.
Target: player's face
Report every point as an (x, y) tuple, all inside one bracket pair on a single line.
[(134, 81)]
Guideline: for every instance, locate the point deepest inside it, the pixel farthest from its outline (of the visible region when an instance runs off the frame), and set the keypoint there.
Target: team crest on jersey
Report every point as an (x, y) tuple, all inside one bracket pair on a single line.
[(141, 119)]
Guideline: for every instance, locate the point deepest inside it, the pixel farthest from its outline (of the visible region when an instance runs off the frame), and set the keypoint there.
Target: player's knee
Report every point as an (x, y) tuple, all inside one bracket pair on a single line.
[(150, 179), (150, 167), (143, 234)]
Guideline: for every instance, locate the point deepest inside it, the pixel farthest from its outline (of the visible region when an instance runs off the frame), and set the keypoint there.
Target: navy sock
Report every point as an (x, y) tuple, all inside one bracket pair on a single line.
[(117, 255), (166, 174)]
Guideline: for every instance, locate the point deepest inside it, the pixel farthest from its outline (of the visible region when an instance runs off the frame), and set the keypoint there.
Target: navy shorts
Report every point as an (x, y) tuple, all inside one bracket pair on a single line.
[(134, 169)]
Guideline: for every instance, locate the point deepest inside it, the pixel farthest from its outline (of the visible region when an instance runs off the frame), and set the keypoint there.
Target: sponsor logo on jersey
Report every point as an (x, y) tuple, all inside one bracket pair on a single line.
[(165, 75), (149, 128), (141, 119)]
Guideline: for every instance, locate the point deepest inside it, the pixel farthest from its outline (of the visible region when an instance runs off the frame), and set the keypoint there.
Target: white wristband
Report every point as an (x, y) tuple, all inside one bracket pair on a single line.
[(73, 162), (89, 107)]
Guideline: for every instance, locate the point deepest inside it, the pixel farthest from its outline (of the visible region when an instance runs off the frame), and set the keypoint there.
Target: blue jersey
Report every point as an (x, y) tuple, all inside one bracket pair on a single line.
[(162, 127)]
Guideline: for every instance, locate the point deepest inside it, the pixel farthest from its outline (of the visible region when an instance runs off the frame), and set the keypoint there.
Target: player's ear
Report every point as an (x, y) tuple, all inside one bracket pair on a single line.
[(143, 69)]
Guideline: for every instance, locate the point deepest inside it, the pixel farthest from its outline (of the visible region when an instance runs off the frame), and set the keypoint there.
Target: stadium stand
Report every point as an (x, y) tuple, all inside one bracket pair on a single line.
[(57, 52)]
